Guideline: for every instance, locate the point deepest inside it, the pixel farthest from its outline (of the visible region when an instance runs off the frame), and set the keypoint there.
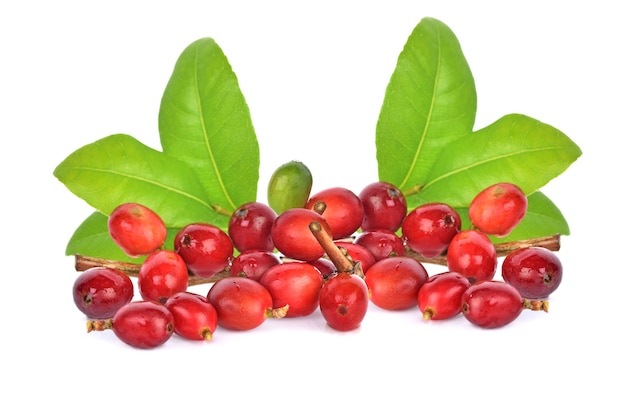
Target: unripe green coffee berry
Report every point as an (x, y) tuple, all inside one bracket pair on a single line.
[(289, 186)]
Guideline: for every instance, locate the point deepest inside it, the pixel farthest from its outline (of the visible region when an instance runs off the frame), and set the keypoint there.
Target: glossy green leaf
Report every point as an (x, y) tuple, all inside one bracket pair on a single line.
[(516, 149), (119, 169), (543, 218), (429, 102), (204, 121), (92, 238)]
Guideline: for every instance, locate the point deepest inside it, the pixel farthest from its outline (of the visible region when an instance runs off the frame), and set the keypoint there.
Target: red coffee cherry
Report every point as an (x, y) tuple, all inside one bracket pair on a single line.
[(344, 301), (384, 207), (498, 209), (250, 227), (292, 236), (358, 253), (394, 282), (205, 248), (440, 296), (136, 229), (99, 292), (343, 210), (381, 243), (195, 318), (162, 274), (535, 271), (429, 228), (472, 254), (253, 263)]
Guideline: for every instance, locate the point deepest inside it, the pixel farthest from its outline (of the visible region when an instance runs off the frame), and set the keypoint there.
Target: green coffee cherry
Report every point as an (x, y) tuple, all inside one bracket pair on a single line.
[(289, 186)]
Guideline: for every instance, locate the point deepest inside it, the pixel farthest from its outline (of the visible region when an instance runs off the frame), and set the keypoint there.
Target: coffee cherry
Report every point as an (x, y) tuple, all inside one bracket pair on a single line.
[(394, 282), (472, 254), (294, 284), (141, 324), (358, 253), (289, 186), (99, 292), (344, 301), (195, 318), (343, 210), (136, 229), (253, 263), (498, 209), (381, 243), (535, 271), (325, 267), (162, 274), (205, 248), (384, 207), (493, 304), (440, 296), (292, 237), (250, 227), (429, 228), (241, 303)]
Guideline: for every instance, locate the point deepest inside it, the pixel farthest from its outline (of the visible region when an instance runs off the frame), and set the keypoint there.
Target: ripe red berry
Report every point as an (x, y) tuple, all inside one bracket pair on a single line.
[(344, 301), (241, 303), (253, 263), (439, 297), (492, 304), (358, 253), (498, 209), (381, 243), (250, 227), (136, 229), (394, 282), (429, 228), (205, 248), (99, 292), (296, 284), (162, 274), (292, 236), (141, 324), (472, 254), (535, 271), (343, 210), (324, 266), (384, 206), (195, 318)]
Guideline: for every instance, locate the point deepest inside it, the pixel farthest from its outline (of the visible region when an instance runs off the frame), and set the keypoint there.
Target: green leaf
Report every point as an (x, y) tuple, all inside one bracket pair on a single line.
[(543, 218), (92, 238), (204, 121), (429, 102), (516, 149), (119, 169)]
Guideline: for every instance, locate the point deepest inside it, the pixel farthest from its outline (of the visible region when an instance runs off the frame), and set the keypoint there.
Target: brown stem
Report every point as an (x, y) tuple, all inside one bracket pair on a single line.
[(552, 242), (335, 253), (536, 305)]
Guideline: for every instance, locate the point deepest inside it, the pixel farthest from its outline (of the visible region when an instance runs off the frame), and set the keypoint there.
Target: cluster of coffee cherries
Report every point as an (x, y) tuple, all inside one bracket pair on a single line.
[(338, 252)]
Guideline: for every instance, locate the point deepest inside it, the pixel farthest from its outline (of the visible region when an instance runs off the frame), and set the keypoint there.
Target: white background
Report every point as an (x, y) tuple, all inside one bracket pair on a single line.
[(314, 75)]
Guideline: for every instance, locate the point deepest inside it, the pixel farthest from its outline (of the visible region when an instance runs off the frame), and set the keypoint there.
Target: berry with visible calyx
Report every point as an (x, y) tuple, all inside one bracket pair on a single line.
[(253, 263), (292, 237), (535, 271), (99, 292), (384, 206), (343, 210), (205, 248), (296, 284), (162, 274), (381, 243), (142, 324), (289, 186), (429, 228), (440, 296), (136, 229), (241, 303), (498, 209), (250, 227), (394, 282), (472, 254), (493, 304), (195, 318), (344, 301)]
